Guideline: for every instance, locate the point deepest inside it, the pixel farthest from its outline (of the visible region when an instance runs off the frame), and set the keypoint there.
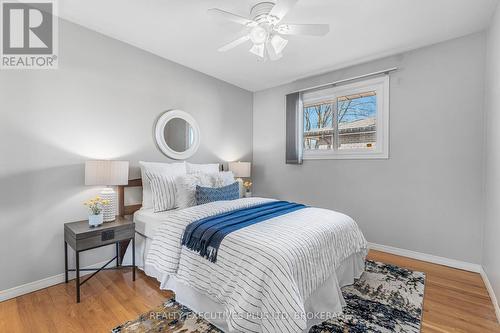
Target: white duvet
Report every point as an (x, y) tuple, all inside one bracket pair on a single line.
[(264, 272)]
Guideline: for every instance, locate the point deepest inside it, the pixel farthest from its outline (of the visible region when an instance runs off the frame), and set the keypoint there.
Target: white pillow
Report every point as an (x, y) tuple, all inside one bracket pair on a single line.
[(163, 191), (186, 188), (186, 185), (223, 178), (167, 169), (205, 168)]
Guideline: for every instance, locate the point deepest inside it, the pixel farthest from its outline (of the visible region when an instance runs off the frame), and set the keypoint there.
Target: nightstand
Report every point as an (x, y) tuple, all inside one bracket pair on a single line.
[(82, 237)]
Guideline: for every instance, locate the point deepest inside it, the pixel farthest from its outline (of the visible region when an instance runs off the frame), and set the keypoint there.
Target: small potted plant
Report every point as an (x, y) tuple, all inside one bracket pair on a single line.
[(95, 210), (248, 185)]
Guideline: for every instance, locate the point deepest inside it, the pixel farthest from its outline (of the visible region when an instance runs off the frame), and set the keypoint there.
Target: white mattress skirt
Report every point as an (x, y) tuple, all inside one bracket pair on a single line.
[(324, 303)]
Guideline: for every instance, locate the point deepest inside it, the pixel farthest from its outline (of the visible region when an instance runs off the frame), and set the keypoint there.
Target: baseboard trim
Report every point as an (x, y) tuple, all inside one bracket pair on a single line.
[(493, 297), (466, 266), (40, 284)]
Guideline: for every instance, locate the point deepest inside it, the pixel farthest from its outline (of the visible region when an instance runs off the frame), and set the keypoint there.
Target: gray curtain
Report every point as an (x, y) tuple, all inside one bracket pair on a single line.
[(293, 128)]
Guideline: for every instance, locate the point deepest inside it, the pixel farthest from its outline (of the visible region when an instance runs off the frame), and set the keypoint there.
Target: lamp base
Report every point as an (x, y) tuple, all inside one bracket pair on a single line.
[(109, 211)]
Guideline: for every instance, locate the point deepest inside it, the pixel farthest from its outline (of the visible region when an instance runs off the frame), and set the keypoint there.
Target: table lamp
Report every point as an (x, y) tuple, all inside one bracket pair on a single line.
[(241, 170), (107, 173)]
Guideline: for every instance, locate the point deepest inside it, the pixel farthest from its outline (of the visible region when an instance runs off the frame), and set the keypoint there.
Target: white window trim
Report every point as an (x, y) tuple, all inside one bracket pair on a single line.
[(381, 86)]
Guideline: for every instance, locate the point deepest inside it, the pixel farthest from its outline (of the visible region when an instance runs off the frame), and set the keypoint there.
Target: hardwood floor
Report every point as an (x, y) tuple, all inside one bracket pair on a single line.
[(455, 301)]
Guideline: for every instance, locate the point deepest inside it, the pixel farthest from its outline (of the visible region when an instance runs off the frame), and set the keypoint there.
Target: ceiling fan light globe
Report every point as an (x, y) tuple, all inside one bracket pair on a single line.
[(279, 43), (258, 50), (258, 35)]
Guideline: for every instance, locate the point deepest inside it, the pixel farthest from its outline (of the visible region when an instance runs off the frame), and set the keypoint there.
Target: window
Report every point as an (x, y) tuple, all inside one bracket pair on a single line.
[(349, 121)]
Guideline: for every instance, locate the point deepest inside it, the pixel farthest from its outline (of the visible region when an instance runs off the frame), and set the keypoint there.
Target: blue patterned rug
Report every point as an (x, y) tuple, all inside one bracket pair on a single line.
[(384, 299)]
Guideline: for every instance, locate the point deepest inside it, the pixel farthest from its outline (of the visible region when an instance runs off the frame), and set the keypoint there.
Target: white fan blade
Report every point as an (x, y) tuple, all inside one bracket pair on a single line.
[(219, 13), (281, 9), (234, 43), (303, 29)]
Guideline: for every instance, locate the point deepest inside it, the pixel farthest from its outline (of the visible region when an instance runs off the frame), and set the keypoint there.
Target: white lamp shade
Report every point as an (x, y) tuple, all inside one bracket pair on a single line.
[(106, 173), (241, 169)]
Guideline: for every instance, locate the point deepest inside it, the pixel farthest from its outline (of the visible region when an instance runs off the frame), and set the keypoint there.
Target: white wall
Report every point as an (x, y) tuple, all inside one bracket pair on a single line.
[(491, 249), (101, 103), (428, 196)]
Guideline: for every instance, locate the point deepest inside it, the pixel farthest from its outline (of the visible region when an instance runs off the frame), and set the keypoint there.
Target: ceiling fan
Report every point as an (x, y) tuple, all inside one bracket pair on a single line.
[(265, 30)]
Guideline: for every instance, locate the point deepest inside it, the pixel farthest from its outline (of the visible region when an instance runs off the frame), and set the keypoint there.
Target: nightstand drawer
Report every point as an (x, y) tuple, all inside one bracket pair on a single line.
[(80, 236), (104, 237)]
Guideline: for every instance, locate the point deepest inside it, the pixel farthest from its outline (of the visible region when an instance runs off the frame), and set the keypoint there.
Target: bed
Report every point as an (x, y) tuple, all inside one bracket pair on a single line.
[(283, 275)]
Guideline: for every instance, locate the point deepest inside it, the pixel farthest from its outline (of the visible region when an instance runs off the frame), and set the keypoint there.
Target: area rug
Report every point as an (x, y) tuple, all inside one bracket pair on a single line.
[(386, 298)]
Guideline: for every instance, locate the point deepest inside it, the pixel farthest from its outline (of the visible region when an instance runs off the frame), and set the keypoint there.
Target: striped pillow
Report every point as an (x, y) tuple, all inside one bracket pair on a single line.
[(209, 194), (163, 191)]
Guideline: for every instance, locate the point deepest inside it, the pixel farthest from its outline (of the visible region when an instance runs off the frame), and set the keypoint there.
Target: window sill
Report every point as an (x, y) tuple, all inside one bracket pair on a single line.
[(345, 156)]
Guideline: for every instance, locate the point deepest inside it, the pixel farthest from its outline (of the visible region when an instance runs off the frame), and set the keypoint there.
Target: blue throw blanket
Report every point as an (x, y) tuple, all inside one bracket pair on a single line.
[(205, 236)]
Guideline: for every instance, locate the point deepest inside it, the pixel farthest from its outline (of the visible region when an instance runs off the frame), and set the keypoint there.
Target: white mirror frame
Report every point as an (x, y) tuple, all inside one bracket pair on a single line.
[(160, 134)]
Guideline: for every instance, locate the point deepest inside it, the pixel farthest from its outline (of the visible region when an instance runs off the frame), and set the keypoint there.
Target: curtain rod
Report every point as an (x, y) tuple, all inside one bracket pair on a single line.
[(385, 71)]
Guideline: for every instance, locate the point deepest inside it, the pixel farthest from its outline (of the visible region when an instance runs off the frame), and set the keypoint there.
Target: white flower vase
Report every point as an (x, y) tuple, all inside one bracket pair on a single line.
[(96, 220), (248, 194)]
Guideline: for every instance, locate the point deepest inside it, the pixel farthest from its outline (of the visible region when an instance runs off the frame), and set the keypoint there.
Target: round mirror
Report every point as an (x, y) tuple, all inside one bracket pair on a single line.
[(177, 134)]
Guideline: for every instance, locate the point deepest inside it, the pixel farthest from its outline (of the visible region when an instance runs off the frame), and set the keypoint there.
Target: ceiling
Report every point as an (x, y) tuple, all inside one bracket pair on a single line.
[(360, 30)]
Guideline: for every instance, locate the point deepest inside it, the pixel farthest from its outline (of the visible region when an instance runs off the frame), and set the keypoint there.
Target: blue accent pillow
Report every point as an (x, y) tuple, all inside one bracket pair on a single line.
[(209, 194)]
